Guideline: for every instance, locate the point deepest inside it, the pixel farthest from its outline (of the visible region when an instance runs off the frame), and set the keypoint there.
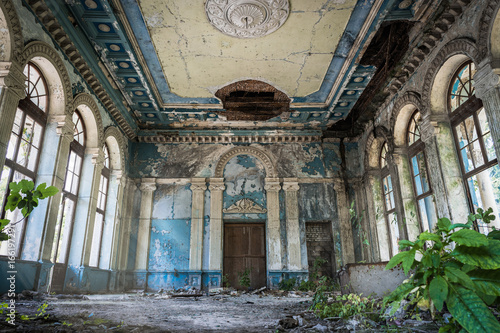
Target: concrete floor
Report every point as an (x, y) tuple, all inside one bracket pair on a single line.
[(157, 313)]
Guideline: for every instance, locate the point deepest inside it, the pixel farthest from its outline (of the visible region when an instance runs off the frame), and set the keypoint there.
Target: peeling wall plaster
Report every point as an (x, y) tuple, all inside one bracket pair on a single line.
[(199, 160), (244, 178)]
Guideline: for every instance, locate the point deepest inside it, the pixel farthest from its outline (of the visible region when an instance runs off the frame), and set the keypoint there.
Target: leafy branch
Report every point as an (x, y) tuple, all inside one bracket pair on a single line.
[(25, 197), (459, 268)]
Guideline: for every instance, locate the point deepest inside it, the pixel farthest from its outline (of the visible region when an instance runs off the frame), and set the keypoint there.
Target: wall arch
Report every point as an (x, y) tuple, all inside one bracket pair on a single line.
[(91, 118), (11, 33), (441, 70), (489, 32), (54, 71), (402, 112), (263, 156), (116, 145), (373, 145)]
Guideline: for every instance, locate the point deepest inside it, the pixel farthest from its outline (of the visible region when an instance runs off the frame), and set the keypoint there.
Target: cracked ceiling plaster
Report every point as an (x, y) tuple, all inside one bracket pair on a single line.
[(197, 59), (165, 61)]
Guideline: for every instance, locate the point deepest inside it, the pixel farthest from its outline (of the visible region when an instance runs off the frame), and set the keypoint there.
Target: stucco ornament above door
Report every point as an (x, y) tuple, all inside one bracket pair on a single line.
[(246, 206), (247, 18)]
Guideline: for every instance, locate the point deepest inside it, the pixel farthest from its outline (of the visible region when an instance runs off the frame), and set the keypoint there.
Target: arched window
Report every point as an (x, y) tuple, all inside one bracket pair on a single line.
[(62, 235), (474, 142), (389, 203), (100, 211), (421, 185), (24, 147)]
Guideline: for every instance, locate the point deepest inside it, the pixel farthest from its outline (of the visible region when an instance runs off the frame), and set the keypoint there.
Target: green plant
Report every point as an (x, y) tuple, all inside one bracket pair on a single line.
[(244, 278), (287, 284), (41, 311), (307, 285), (466, 278), (346, 306), (317, 264), (25, 197), (225, 281)]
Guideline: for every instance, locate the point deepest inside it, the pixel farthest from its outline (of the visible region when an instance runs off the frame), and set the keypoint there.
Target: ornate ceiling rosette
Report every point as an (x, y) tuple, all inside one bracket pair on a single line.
[(247, 18)]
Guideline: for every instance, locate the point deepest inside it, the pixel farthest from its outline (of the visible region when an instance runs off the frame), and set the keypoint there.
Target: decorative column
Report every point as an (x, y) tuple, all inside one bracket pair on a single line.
[(147, 187), (215, 257), (376, 218), (291, 188), (98, 162), (400, 158), (428, 130), (272, 187), (455, 197), (112, 220), (364, 231), (487, 84), (198, 187), (12, 91), (347, 242)]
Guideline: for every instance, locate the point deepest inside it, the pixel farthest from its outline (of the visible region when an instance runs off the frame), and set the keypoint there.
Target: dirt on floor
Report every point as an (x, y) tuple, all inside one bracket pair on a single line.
[(155, 312)]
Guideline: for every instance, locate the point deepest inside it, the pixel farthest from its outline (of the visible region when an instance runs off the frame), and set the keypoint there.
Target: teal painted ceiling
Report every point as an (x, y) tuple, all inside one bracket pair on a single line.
[(121, 45)]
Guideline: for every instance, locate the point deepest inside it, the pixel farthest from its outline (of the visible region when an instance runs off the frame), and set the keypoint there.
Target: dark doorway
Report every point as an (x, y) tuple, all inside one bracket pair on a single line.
[(320, 252), (245, 251)]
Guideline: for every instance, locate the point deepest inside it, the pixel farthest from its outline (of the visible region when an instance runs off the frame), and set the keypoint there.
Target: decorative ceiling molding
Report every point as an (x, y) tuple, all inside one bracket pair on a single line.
[(247, 18), (51, 23), (230, 139), (245, 206)]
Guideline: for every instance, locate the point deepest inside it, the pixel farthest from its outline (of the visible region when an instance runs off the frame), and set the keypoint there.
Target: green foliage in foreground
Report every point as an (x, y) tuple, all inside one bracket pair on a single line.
[(459, 267), (25, 197)]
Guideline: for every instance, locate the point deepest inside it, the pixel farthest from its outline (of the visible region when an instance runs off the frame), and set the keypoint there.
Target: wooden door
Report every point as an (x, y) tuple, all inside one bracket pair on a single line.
[(320, 249), (245, 250)]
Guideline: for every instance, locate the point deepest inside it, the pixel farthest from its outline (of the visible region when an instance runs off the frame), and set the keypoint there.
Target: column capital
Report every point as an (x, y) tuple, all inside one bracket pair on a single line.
[(13, 78), (338, 182), (148, 185), (216, 184), (97, 156), (356, 182), (486, 78), (399, 152), (65, 127), (291, 184), (198, 184), (272, 184)]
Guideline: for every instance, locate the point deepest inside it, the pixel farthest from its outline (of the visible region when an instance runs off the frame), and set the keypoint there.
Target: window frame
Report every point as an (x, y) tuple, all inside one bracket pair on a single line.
[(418, 146), (39, 116), (384, 173), (79, 150), (471, 107), (105, 173)]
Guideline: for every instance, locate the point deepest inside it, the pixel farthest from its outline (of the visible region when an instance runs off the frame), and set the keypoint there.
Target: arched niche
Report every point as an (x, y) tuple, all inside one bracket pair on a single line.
[(441, 70), (116, 146), (10, 32), (402, 113), (495, 38), (91, 117), (55, 74), (373, 146), (264, 157)]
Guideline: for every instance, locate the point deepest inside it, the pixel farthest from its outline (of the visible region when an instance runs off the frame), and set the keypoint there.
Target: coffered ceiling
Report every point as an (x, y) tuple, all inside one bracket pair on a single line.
[(165, 60)]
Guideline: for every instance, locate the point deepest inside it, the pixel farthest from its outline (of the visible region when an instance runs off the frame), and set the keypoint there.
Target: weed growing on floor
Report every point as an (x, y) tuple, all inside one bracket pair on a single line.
[(225, 281), (347, 306), (244, 278), (287, 284)]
